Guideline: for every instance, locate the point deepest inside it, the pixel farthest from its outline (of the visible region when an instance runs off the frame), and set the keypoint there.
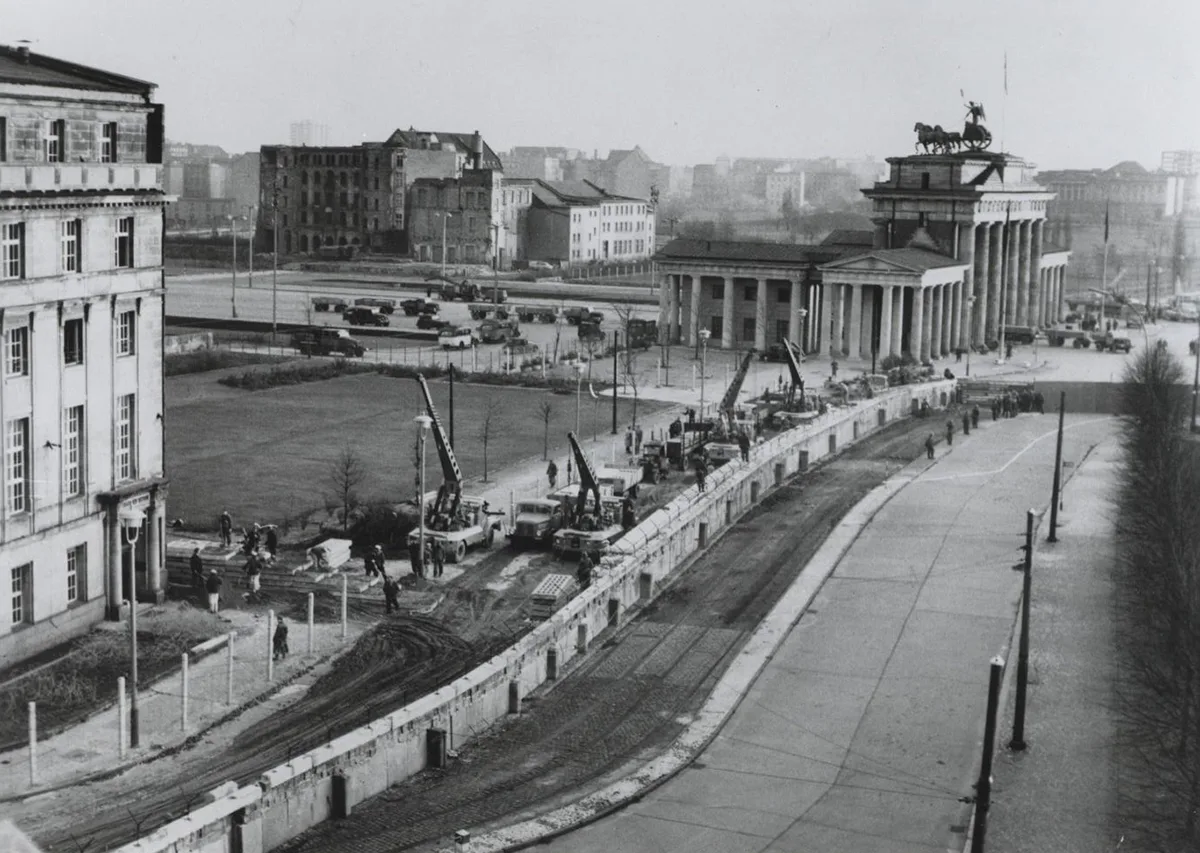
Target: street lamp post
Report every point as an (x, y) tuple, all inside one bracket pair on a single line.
[(131, 524), (250, 218), (704, 335), (1196, 380), (424, 422), (970, 331), (274, 264), (578, 392), (233, 280)]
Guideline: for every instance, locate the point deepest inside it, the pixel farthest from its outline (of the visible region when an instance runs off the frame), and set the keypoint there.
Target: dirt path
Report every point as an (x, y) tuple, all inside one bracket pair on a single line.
[(634, 696)]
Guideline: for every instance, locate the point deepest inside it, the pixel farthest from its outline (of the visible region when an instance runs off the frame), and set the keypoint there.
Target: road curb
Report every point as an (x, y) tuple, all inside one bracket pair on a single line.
[(733, 686)]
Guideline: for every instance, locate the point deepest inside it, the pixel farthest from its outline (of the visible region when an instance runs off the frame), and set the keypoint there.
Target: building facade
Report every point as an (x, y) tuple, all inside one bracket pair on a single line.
[(474, 219), (81, 311), (578, 223), (308, 132), (356, 196), (958, 253)]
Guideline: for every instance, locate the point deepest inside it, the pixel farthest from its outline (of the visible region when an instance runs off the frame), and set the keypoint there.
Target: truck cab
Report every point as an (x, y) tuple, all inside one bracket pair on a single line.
[(363, 315), (536, 522), (619, 481), (327, 341)]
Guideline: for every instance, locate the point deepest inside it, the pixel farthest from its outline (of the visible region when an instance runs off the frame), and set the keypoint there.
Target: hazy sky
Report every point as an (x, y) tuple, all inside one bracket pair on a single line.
[(1090, 82)]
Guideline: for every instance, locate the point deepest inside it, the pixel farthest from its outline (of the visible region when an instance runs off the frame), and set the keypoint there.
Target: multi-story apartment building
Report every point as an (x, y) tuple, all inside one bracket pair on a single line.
[(474, 218), (81, 315), (578, 222), (356, 196)]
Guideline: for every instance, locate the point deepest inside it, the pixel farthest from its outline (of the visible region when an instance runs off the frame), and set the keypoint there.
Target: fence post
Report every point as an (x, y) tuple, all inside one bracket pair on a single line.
[(1018, 739), (311, 608), (121, 719), (983, 788), (345, 583), (183, 691), (229, 668), (33, 770), (270, 645)]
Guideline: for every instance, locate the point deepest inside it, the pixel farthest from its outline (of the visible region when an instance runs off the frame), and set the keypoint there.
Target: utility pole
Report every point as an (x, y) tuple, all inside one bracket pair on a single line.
[(616, 337), (274, 261), (250, 220)]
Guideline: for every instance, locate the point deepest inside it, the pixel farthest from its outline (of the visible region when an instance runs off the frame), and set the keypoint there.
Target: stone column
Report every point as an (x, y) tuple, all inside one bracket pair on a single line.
[(114, 554), (947, 317), (727, 334), (154, 573), (693, 312), (995, 286), (867, 345), (958, 322), (835, 296), (673, 308), (795, 328), (885, 321), (1012, 278), (935, 321), (898, 321), (966, 254), (760, 316), (1024, 244), (812, 332), (664, 309), (854, 344), (916, 323), (983, 260), (1060, 281), (1038, 295)]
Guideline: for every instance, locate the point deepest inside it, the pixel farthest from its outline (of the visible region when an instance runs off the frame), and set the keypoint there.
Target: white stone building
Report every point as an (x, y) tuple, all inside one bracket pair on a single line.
[(81, 318)]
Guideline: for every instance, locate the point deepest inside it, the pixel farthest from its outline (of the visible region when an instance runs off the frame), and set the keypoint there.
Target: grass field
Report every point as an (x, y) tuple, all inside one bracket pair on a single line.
[(266, 456)]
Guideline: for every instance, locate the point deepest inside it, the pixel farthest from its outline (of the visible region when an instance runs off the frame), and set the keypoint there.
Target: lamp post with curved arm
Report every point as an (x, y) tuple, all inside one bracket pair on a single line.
[(131, 525)]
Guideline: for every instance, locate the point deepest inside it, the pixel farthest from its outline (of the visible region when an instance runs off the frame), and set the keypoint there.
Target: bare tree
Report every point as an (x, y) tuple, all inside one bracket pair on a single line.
[(546, 408), (347, 472), (489, 420), (627, 359)]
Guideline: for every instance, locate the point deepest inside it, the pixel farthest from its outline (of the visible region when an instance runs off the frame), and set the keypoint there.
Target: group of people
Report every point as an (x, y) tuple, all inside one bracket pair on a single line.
[(1010, 403), (633, 440), (432, 558)]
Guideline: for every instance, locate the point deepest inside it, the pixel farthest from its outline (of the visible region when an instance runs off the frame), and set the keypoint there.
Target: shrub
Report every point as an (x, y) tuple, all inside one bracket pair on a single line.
[(891, 362), (199, 361)]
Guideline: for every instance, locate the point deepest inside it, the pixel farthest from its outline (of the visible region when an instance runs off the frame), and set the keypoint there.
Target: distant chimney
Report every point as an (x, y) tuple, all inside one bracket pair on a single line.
[(476, 151)]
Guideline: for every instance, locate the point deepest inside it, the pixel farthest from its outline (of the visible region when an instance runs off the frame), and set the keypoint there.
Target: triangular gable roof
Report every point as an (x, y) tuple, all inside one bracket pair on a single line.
[(35, 69), (914, 261)]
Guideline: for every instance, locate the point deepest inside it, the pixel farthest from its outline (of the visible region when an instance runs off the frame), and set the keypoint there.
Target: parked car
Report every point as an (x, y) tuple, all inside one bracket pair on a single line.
[(456, 337), (361, 315), (411, 307), (541, 265), (431, 321), (327, 341)]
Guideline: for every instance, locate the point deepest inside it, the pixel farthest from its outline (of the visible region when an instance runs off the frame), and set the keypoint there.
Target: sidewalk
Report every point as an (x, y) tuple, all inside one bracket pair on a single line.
[(91, 748), (863, 731), (1060, 794)]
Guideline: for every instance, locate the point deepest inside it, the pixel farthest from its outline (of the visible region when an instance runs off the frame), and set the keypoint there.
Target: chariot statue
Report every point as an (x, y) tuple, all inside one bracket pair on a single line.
[(974, 136)]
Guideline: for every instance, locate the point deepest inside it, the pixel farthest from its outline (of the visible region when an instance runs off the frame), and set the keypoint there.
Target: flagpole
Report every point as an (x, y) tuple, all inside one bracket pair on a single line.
[(1104, 271)]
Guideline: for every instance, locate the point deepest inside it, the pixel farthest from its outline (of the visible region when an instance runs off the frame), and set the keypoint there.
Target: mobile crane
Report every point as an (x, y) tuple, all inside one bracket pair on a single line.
[(591, 530), (724, 446), (797, 380), (458, 522)]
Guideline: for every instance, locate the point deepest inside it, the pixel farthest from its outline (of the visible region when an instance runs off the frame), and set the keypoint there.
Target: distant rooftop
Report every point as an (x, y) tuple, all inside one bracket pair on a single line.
[(23, 67)]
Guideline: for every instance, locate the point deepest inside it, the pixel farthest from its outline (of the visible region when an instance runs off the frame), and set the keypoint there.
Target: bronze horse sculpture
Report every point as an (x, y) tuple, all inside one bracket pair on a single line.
[(936, 140)]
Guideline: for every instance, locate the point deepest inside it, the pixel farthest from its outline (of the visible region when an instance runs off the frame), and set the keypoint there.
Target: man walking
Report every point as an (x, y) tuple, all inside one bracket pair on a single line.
[(966, 421), (213, 587), (417, 559), (1039, 402), (701, 471), (272, 540), (743, 441), (975, 416), (197, 565), (552, 474), (929, 446), (279, 643), (391, 593), (949, 433), (629, 441), (253, 573), (637, 439), (226, 528)]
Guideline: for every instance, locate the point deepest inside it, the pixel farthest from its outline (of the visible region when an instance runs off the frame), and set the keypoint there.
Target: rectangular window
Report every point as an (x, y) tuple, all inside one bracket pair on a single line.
[(55, 140), (783, 294), (16, 351), (747, 328), (750, 292), (12, 250), (72, 449), (126, 333), (126, 455), (108, 142), (123, 245), (77, 574), (716, 325), (71, 248), (73, 341), (22, 594), (3, 139), (16, 465)]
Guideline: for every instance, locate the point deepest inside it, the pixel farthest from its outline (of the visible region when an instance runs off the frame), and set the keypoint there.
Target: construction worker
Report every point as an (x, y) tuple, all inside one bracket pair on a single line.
[(929, 446), (584, 573), (391, 593), (439, 557), (949, 433), (552, 474)]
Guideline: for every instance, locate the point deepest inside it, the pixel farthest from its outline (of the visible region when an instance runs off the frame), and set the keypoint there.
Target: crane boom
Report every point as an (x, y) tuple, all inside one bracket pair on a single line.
[(587, 478), (451, 473), (729, 401), (794, 368)]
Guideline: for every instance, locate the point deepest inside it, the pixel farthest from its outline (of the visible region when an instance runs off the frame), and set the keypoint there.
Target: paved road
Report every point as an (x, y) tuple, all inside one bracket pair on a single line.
[(633, 696)]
